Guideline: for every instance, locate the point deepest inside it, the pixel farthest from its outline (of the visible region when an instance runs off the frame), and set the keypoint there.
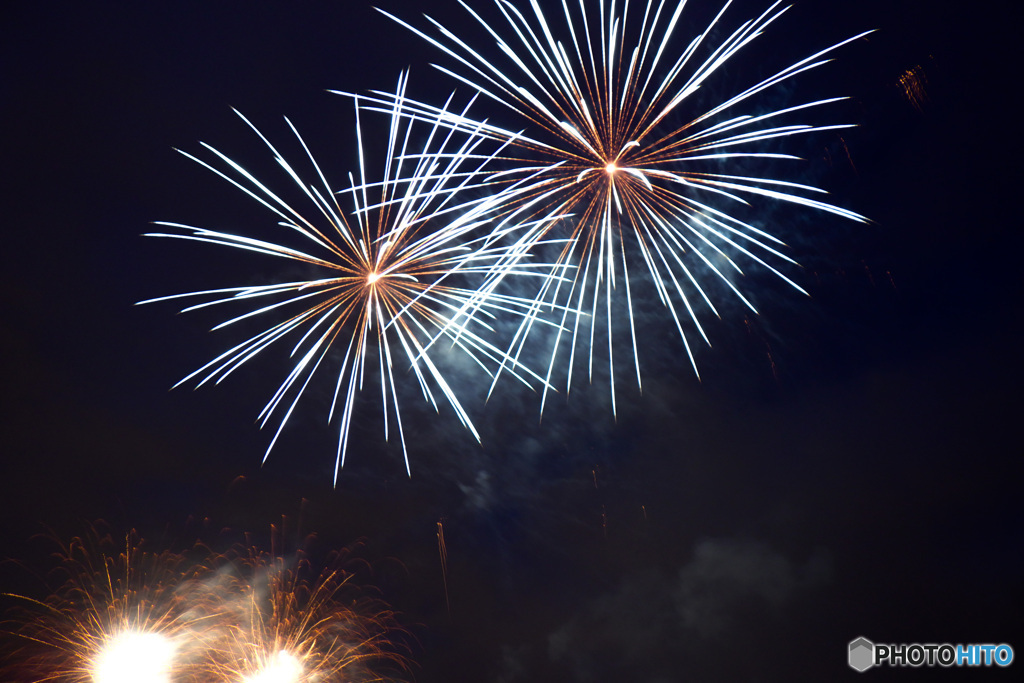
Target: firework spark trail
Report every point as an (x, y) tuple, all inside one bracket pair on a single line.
[(442, 552), (601, 146), (393, 278)]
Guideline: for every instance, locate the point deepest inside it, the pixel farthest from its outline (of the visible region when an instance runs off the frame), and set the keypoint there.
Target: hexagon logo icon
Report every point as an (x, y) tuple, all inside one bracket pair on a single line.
[(862, 654)]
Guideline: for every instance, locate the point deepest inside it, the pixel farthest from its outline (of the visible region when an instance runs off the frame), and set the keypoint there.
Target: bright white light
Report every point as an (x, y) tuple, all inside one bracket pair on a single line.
[(372, 277), (135, 658), (283, 668), (611, 167)]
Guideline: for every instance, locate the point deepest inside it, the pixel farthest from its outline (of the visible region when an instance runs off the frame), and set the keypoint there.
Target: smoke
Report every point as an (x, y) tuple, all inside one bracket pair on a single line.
[(657, 625), (727, 576)]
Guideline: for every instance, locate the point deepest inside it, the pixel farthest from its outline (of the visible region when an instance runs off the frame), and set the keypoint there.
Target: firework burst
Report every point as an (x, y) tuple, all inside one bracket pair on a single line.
[(130, 615), (602, 94), (294, 625), (397, 272), (118, 615)]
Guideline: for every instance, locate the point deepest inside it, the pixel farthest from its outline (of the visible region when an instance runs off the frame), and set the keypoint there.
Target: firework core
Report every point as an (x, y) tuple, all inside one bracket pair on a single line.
[(135, 658), (285, 668)]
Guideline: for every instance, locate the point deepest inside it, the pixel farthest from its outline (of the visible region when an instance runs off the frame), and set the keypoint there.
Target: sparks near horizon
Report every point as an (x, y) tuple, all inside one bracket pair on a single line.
[(294, 625), (246, 616), (118, 616), (392, 276), (600, 96)]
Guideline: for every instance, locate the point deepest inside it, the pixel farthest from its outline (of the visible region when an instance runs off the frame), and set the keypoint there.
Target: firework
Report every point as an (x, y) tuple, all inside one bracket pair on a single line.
[(294, 625), (403, 268), (117, 615), (601, 93), (131, 615)]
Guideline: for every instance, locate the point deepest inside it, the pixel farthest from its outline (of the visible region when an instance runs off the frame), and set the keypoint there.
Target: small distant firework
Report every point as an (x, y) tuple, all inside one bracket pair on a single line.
[(614, 145), (914, 84), (393, 275)]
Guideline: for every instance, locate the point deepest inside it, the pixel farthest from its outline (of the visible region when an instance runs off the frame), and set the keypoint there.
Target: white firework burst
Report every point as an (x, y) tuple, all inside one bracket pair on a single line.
[(601, 96), (401, 269)]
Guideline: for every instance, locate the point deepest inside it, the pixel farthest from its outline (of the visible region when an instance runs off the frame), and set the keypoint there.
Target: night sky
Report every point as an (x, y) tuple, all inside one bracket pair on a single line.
[(848, 464)]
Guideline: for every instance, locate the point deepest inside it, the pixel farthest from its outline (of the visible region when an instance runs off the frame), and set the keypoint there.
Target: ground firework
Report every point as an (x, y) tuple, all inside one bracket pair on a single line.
[(392, 275), (120, 613), (615, 145), (292, 624), (117, 614)]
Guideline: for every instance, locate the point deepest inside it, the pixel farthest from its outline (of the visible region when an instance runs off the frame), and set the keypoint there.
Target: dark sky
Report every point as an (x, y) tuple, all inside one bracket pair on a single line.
[(849, 463)]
